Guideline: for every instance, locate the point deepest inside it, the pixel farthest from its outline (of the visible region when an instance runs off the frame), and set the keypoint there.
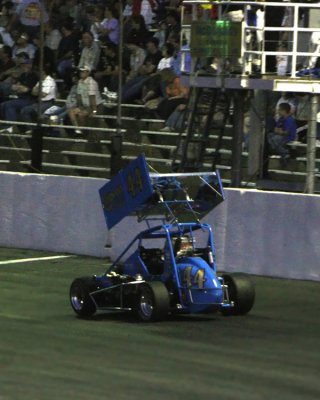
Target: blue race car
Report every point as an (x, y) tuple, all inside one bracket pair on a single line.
[(170, 267)]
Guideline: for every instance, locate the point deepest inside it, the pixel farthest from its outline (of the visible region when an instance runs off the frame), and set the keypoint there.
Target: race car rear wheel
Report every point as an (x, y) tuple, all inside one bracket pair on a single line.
[(241, 291), (80, 299), (153, 301)]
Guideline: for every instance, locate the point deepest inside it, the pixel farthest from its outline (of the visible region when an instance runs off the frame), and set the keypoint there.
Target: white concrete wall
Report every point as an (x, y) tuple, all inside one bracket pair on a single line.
[(55, 213), (264, 233)]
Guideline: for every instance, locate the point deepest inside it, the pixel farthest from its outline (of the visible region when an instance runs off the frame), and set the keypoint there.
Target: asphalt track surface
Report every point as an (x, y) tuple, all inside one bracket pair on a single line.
[(46, 353)]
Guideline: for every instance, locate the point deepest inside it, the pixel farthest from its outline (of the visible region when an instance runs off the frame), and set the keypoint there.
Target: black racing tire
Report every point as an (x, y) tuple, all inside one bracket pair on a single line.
[(241, 291), (80, 299), (152, 302)]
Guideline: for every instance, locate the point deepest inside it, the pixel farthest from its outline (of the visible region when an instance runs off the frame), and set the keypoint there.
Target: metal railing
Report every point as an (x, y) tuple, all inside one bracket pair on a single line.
[(303, 41)]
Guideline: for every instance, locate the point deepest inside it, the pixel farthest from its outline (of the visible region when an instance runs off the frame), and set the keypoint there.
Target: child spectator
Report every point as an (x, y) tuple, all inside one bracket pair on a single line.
[(284, 132)]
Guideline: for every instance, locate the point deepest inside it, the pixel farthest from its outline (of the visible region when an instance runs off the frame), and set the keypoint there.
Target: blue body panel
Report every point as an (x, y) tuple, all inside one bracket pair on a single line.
[(200, 286), (126, 192)]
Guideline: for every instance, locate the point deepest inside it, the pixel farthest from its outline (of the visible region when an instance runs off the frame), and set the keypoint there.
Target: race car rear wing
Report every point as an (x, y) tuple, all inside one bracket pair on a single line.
[(178, 197)]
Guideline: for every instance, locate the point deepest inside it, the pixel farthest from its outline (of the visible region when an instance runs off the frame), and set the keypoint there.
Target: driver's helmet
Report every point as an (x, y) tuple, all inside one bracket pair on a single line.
[(183, 246)]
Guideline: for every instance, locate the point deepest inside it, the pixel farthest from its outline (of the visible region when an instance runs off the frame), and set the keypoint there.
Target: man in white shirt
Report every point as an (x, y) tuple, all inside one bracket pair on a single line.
[(48, 97), (89, 100)]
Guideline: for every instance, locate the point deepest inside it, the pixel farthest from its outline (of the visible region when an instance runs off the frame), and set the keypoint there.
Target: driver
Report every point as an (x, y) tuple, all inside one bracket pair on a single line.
[(183, 246)]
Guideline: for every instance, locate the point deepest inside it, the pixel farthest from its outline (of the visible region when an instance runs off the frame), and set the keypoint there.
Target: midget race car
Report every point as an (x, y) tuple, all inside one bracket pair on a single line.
[(170, 267)]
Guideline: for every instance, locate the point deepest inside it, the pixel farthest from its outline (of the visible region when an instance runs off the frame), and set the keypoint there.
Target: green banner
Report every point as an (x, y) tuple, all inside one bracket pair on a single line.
[(215, 39)]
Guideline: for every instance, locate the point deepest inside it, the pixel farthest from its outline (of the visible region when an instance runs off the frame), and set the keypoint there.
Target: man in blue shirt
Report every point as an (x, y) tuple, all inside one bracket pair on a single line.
[(284, 132)]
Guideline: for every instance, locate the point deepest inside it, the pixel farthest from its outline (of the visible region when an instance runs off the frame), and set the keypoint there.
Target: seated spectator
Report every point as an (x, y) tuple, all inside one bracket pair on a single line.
[(6, 61), (9, 110), (97, 18), (30, 112), (152, 86), (6, 11), (174, 93), (127, 11), (176, 121), (137, 57), (146, 11), (284, 132), (289, 98), (181, 58), (161, 34), (67, 50), (138, 31), (27, 17), (173, 25), (52, 37), (89, 101), (167, 60), (107, 71), (133, 88), (23, 45), (48, 55), (109, 29), (90, 53), (10, 76)]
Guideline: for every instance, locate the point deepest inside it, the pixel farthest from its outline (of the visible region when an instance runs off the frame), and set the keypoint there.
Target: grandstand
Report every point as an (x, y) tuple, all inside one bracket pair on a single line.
[(212, 135)]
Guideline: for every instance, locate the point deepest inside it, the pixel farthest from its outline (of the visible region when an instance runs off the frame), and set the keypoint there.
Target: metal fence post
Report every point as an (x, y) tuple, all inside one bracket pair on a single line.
[(311, 144)]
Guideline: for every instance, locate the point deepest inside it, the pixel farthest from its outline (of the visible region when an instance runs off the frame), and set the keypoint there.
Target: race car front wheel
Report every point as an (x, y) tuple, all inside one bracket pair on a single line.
[(152, 301), (80, 299), (241, 292)]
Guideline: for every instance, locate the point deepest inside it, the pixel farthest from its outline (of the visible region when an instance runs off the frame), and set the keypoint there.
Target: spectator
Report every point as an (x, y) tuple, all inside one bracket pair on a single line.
[(161, 34), (27, 17), (284, 133), (48, 55), (107, 71), (89, 101), (173, 25), (97, 17), (48, 96), (182, 57), (22, 88), (67, 49), (10, 76), (138, 32), (137, 57), (175, 94), (133, 88), (286, 97), (167, 60), (23, 46), (6, 11), (146, 11), (127, 11), (282, 60), (52, 36), (90, 53), (6, 61), (176, 120), (110, 26)]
